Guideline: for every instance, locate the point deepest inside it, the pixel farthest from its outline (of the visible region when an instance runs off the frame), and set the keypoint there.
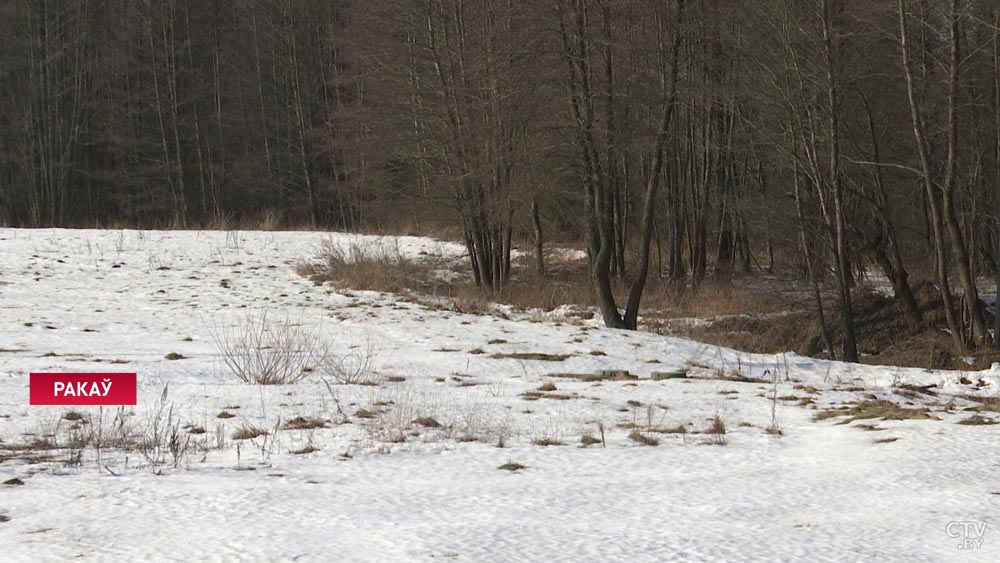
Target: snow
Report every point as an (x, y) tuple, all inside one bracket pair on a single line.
[(122, 300)]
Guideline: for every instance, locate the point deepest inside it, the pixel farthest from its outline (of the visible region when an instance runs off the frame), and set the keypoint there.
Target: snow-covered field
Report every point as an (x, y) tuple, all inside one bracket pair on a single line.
[(376, 486)]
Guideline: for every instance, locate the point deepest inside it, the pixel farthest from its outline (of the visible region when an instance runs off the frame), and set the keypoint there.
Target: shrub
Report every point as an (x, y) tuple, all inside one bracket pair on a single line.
[(354, 367), (266, 351)]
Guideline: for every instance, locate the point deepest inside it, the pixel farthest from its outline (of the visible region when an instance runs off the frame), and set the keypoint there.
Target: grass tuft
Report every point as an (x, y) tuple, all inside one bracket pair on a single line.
[(877, 408), (248, 433), (977, 420), (679, 429), (535, 395), (718, 431), (531, 356), (643, 439), (546, 442), (512, 466), (427, 421), (304, 423), (886, 440)]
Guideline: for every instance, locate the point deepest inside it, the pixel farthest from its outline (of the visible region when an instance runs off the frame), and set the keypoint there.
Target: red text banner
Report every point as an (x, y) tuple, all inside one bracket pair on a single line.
[(83, 388)]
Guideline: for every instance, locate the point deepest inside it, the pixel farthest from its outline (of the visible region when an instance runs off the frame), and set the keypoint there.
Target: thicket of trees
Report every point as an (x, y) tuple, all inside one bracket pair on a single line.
[(176, 112), (690, 140)]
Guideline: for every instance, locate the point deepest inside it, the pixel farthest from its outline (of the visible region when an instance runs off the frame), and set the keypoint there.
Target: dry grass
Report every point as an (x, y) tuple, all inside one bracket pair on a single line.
[(718, 425), (266, 220), (538, 356), (546, 442), (988, 404), (718, 431), (427, 421), (535, 395), (304, 423), (756, 314), (248, 433), (978, 420), (679, 429), (786, 320), (566, 282), (586, 377), (512, 466), (644, 439), (379, 268), (878, 408)]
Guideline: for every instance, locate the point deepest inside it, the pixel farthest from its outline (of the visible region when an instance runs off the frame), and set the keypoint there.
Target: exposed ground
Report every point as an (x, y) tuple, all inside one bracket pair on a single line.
[(760, 313), (427, 430), (883, 336)]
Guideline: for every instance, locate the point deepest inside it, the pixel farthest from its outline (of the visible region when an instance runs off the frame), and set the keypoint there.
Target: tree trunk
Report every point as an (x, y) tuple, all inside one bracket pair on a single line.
[(850, 347), (809, 257), (536, 229), (930, 190), (653, 180), (996, 196), (889, 257), (967, 278)]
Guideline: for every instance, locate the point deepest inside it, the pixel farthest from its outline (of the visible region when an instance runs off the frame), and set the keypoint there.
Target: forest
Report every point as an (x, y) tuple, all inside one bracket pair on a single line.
[(690, 141)]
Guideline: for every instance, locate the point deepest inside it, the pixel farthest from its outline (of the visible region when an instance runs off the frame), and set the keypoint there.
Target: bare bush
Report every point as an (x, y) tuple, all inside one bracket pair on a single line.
[(267, 351), (353, 367)]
